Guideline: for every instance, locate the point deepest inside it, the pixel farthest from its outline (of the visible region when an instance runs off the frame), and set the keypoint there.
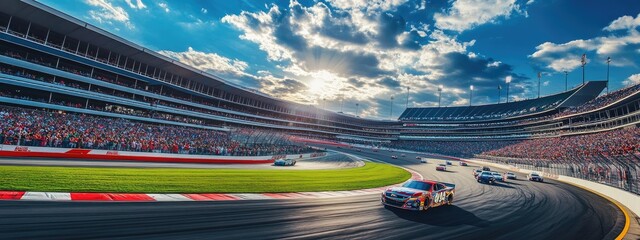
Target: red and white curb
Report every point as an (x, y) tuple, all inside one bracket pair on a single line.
[(162, 197)]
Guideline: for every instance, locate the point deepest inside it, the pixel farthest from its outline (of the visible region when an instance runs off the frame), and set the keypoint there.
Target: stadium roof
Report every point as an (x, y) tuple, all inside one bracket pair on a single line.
[(543, 105)]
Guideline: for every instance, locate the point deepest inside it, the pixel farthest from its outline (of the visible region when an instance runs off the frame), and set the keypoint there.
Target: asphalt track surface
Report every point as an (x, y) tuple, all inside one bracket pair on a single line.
[(514, 210), (331, 161)]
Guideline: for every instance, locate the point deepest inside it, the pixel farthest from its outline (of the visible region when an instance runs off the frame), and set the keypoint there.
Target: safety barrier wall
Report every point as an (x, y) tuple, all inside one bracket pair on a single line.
[(91, 154)]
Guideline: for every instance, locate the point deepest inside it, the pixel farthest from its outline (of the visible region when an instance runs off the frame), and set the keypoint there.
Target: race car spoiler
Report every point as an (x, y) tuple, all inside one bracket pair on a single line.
[(449, 185)]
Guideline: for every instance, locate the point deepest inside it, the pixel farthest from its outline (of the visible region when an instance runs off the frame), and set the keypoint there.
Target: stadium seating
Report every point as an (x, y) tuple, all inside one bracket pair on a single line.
[(30, 127)]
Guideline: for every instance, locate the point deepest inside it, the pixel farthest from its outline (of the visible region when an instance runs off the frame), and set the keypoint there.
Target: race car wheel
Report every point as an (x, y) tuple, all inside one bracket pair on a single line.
[(450, 199), (427, 203)]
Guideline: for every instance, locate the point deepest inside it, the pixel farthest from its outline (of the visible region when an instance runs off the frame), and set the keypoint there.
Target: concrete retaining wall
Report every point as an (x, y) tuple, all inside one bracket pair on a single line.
[(92, 154)]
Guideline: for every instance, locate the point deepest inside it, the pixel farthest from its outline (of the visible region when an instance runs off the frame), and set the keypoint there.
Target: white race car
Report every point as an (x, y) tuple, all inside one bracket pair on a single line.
[(284, 162)]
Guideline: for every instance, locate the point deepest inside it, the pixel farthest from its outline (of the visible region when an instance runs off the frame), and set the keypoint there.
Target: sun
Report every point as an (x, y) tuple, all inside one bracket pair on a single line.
[(320, 83)]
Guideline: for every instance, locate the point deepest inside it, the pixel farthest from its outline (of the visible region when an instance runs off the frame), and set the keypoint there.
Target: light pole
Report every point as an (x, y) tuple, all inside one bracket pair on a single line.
[(407, 104), (508, 80), (566, 80), (439, 95), (341, 103), (357, 109), (391, 107), (470, 94), (499, 93), (539, 75), (608, 61), (584, 62)]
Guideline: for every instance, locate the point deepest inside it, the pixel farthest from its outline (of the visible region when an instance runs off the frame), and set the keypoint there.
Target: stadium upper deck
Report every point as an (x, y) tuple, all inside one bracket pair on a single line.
[(506, 111)]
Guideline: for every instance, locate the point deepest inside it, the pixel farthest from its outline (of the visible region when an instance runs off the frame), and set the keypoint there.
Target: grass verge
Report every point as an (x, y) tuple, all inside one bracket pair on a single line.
[(156, 180)]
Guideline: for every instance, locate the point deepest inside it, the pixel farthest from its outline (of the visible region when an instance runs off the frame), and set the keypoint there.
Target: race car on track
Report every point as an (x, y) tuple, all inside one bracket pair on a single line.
[(423, 160), (535, 177), (394, 157), (441, 167), (486, 177), (419, 195), (498, 176), (464, 164), (486, 169), (476, 172), (284, 162), (511, 175), (449, 163), (418, 157)]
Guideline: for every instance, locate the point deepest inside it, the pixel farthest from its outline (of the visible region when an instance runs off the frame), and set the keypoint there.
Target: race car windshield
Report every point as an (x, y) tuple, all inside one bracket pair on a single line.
[(417, 185)]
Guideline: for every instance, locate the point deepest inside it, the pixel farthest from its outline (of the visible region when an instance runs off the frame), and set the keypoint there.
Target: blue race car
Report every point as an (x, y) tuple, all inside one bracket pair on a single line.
[(486, 177)]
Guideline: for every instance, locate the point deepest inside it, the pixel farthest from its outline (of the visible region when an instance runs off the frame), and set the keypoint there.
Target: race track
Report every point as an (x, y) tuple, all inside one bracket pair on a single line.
[(515, 210), (331, 161)]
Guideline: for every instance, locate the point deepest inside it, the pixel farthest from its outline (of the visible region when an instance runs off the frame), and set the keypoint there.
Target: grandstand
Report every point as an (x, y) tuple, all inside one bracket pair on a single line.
[(506, 111)]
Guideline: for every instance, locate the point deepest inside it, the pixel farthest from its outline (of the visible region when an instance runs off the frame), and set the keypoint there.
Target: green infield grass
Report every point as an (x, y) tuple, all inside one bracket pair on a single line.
[(161, 180)]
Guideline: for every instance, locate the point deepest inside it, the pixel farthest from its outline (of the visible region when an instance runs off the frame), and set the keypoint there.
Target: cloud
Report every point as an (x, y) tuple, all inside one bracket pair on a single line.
[(363, 51), (164, 7), (138, 5), (211, 62), (195, 23), (621, 47), (632, 80), (108, 12), (467, 14), (204, 10), (624, 23)]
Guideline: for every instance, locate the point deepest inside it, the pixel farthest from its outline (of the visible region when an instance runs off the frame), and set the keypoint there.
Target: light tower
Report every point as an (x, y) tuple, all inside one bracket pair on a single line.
[(407, 104), (584, 62), (439, 95), (508, 80), (566, 80), (539, 76), (470, 94), (608, 62), (391, 107)]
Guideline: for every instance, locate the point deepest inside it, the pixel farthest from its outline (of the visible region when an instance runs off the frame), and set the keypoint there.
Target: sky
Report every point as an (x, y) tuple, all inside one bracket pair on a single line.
[(335, 54)]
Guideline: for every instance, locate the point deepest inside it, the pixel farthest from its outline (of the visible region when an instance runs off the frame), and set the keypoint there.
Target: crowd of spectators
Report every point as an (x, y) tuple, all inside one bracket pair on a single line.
[(450, 148), (58, 129), (604, 144), (601, 101)]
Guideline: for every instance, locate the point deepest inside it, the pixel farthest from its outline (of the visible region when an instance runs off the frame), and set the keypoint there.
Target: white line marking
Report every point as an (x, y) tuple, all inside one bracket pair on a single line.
[(251, 196), (46, 196), (169, 197)]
